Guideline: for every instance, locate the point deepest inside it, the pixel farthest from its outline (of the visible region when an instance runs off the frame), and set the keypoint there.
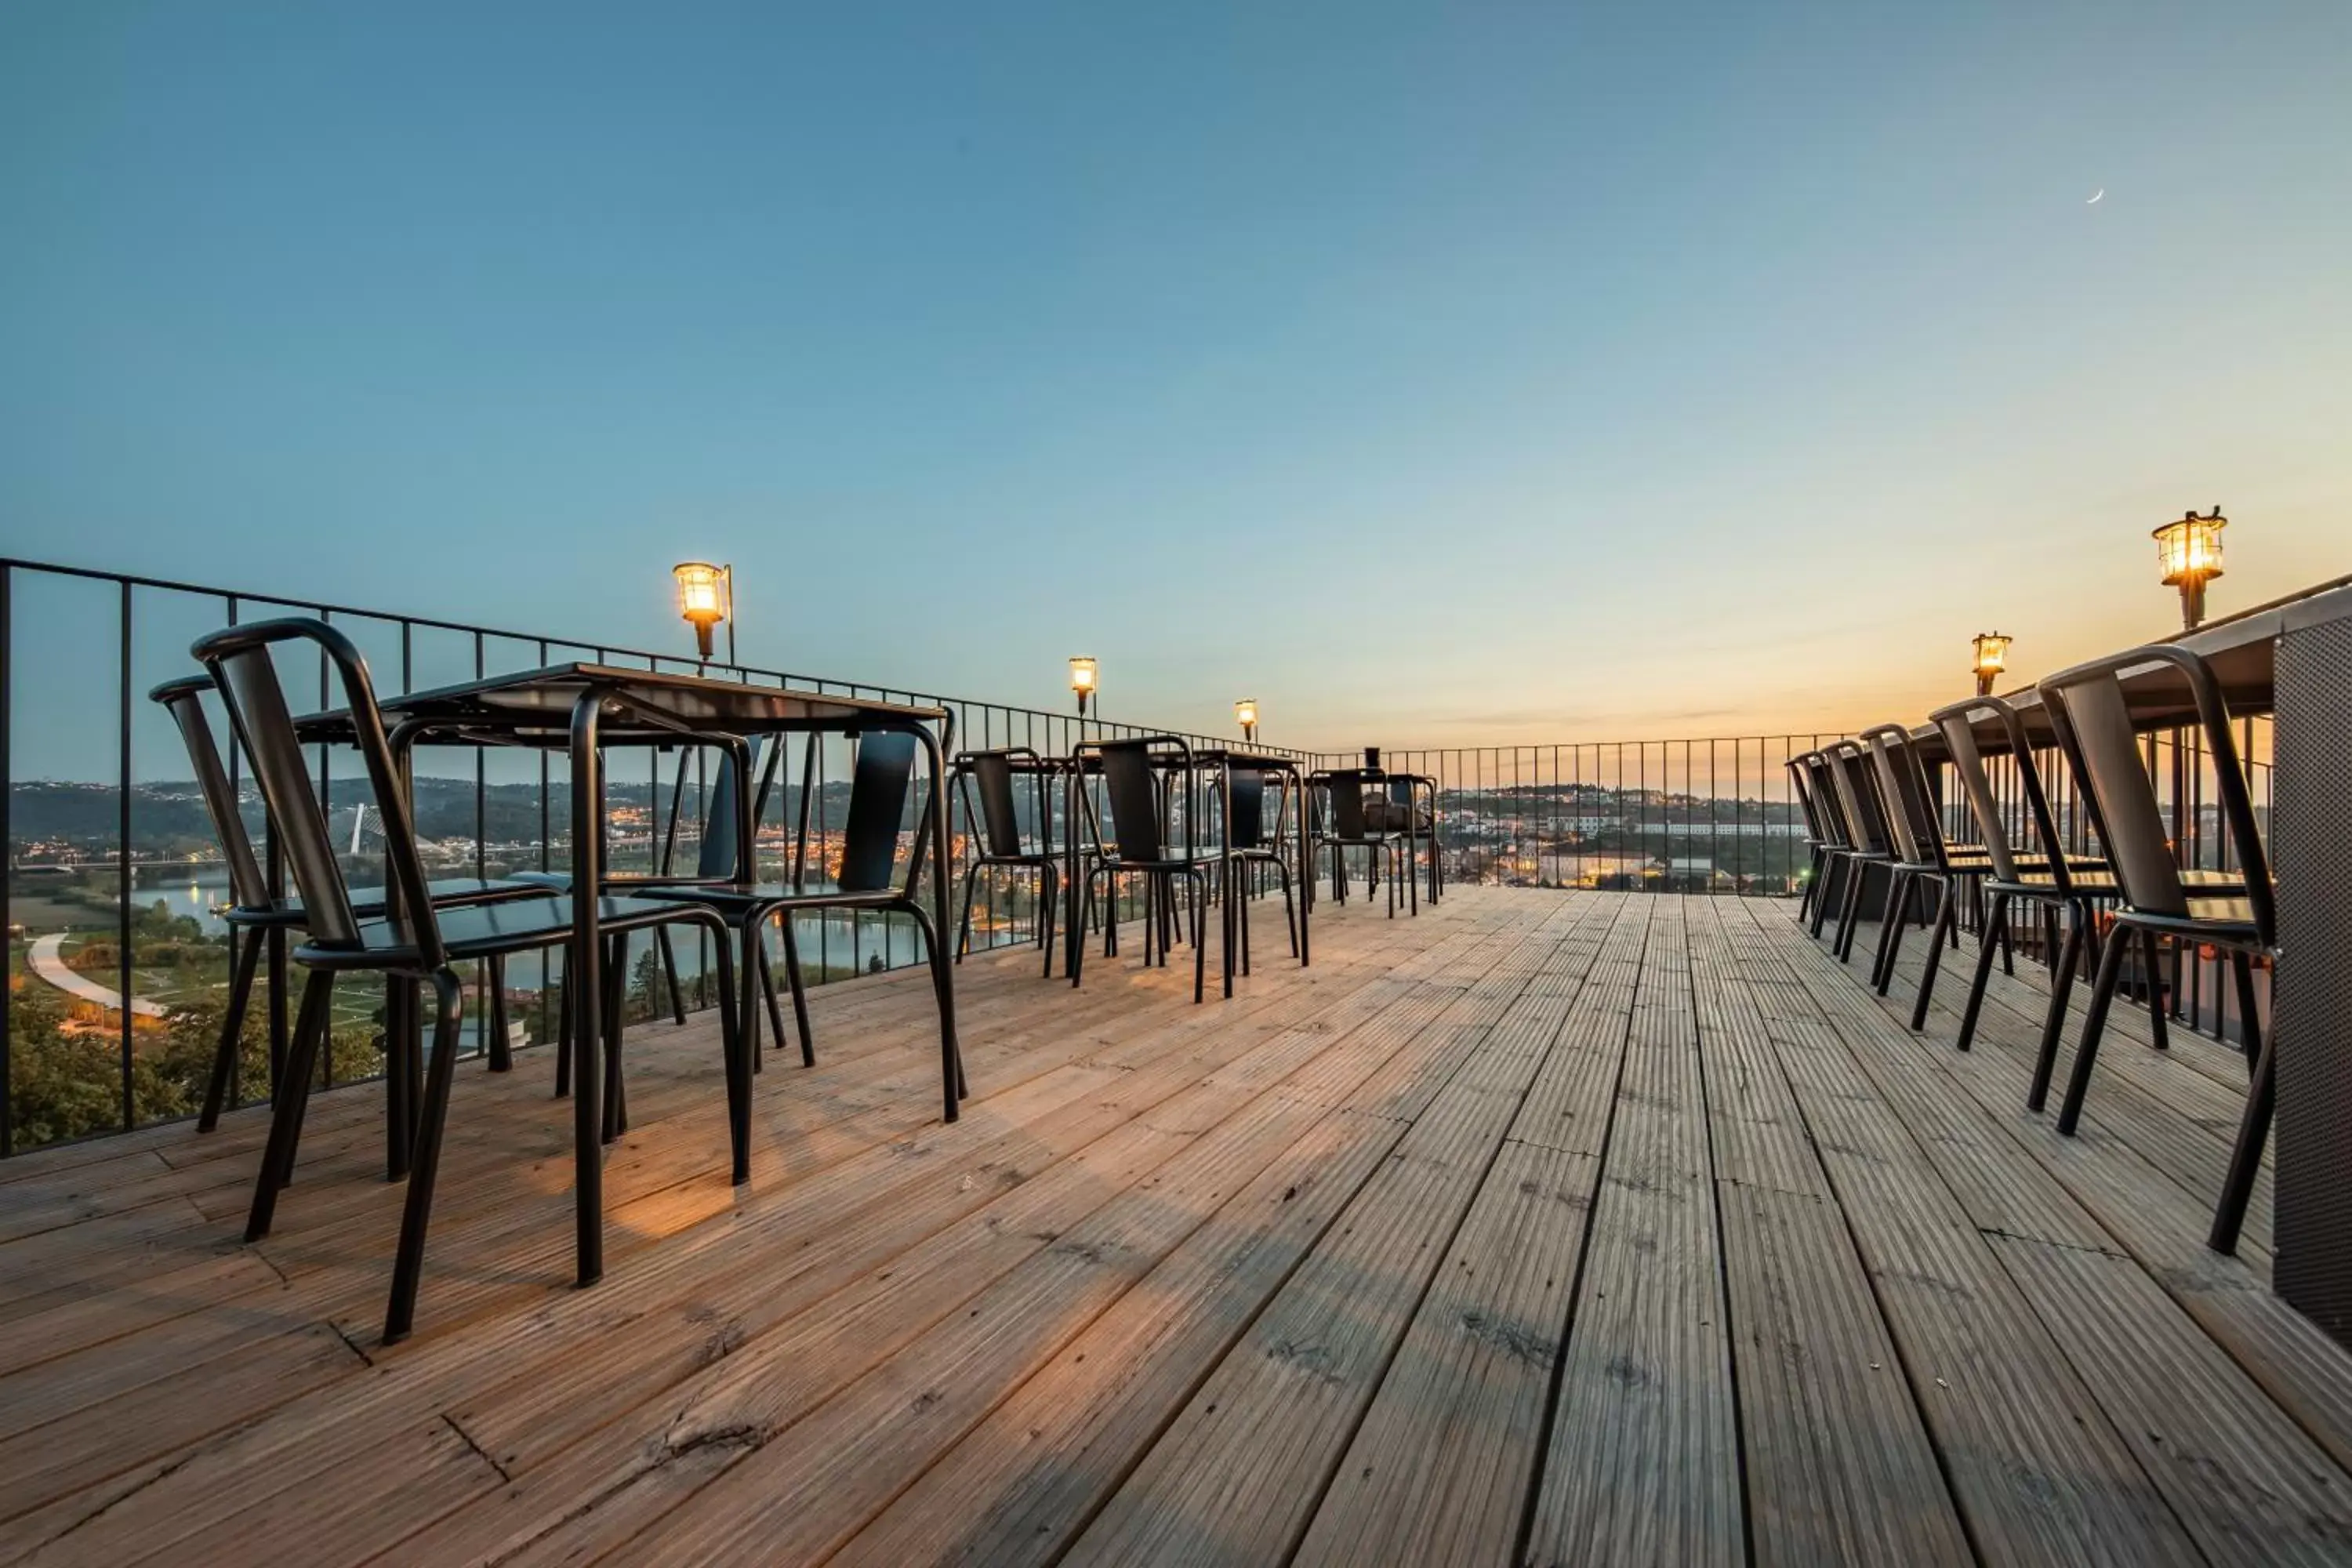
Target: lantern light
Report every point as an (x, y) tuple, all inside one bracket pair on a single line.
[(1245, 715), (1993, 658), (2189, 553), (706, 597), (1085, 674)]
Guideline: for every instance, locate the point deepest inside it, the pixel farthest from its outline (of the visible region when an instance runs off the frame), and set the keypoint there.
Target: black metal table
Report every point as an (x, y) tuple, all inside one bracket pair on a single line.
[(2291, 659), (1078, 766), (582, 708)]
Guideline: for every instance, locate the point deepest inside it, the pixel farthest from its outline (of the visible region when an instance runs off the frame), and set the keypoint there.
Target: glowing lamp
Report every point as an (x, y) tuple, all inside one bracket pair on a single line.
[(1245, 715), (706, 597), (1084, 674), (2189, 552), (1993, 658)]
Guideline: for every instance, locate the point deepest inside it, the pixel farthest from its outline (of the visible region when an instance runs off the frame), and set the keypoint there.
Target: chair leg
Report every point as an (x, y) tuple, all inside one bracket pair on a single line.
[(1890, 929), (563, 1033), (408, 1262), (231, 1034), (2249, 1011), (952, 1078), (501, 1048), (2246, 1156), (286, 1118), (1987, 938), (617, 993), (2007, 950), (2053, 1022), (2095, 1024), (1289, 908), (2152, 950), (1947, 906), (669, 974), (1241, 917), (963, 926), (734, 1053), (1200, 932), (1832, 863), (1857, 884), (1049, 894), (797, 982)]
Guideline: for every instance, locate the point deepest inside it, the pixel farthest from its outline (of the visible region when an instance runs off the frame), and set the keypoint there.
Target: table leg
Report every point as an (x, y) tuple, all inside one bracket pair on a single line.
[(585, 963)]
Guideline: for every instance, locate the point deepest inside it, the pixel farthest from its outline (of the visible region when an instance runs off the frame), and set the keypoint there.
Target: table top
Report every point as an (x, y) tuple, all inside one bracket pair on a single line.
[(2242, 649), (533, 707)]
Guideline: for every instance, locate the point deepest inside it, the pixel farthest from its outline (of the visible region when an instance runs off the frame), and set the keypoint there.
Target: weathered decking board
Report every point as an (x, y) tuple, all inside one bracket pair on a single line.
[(1544, 1228)]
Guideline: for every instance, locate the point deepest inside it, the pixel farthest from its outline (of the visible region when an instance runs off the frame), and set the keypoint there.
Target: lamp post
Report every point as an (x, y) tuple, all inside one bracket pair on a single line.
[(2189, 551), (706, 597), (1245, 715), (1993, 658), (1084, 677)]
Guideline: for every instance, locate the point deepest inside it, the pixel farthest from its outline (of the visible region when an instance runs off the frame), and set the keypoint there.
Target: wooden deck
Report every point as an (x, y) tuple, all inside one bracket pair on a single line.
[(1547, 1227)]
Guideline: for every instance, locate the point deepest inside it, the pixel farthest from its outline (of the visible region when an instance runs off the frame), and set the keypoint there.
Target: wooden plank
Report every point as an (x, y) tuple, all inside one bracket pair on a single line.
[(227, 1480), (1839, 1464), (2146, 1212), (2248, 1483), (818, 1250), (1642, 1459), (1023, 1482), (2035, 1464), (1439, 1468), (1246, 1462)]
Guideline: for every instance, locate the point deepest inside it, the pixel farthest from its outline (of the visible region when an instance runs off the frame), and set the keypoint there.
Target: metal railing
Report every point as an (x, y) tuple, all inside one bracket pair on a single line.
[(111, 870), (1700, 815)]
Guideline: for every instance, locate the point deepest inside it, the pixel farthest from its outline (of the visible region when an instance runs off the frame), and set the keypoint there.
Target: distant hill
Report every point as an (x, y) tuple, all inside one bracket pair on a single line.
[(168, 819)]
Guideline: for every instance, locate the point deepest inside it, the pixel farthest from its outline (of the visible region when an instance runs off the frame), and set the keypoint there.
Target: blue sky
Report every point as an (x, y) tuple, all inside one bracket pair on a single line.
[(1434, 373)]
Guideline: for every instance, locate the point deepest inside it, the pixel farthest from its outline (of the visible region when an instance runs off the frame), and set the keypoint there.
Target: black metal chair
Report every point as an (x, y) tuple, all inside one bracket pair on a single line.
[(1140, 780), (253, 912), (1342, 823), (2064, 886), (414, 940), (1250, 841), (2234, 912), (1922, 853), (881, 780), (1819, 840), (1869, 847), (995, 819)]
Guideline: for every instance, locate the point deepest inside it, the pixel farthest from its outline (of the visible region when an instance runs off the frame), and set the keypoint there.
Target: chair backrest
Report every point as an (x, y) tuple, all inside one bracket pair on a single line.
[(1245, 810), (1800, 780), (877, 806), (717, 860), (242, 667), (1858, 800), (1134, 798), (1903, 785), (1957, 726), (1843, 833), (1000, 817), (2092, 716), (1345, 787), (183, 700)]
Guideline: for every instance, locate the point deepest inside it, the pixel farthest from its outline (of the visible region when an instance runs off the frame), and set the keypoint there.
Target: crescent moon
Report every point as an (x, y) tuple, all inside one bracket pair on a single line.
[(2095, 200)]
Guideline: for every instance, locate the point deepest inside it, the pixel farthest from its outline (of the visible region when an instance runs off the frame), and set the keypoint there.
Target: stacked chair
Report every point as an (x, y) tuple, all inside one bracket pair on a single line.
[(2234, 913), (1873, 821)]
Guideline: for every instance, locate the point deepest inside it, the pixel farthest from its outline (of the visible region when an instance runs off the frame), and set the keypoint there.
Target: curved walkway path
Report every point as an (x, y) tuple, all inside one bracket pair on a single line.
[(46, 961)]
